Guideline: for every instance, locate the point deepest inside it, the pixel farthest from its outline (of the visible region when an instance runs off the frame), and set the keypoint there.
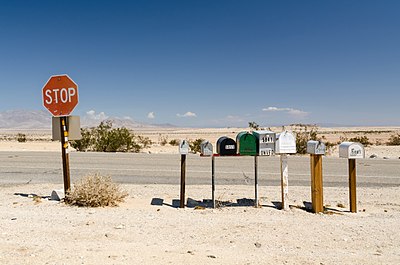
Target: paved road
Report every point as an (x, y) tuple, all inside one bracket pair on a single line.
[(45, 167)]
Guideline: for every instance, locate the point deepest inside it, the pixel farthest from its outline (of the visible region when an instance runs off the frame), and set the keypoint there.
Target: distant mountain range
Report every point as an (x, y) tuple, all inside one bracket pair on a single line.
[(41, 119)]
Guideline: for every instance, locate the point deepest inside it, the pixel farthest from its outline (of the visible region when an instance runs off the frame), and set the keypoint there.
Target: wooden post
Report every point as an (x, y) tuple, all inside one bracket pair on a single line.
[(65, 154), (183, 177), (285, 182), (213, 180), (256, 181), (317, 196), (352, 185)]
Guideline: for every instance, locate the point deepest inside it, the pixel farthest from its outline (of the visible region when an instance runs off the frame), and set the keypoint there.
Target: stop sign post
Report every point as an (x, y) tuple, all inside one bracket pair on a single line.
[(60, 97)]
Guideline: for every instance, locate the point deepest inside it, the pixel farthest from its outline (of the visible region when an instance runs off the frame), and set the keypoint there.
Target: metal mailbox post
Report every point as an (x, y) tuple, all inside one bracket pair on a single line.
[(183, 150), (316, 149), (285, 144), (352, 151), (206, 149)]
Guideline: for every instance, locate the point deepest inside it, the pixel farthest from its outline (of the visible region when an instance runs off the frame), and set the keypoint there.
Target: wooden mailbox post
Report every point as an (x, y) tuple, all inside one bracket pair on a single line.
[(352, 151), (316, 149), (285, 144)]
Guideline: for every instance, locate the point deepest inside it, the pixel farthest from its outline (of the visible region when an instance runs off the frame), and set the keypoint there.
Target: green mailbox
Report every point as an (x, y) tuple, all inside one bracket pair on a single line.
[(246, 144)]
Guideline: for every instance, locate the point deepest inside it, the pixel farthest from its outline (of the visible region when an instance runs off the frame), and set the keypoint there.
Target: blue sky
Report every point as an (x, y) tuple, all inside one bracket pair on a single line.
[(208, 63)]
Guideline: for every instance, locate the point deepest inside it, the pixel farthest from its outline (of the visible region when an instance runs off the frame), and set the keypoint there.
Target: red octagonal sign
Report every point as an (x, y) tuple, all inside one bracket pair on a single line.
[(60, 95)]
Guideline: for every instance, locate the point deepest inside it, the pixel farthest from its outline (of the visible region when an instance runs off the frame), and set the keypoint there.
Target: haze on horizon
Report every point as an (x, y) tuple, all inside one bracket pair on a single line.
[(208, 63)]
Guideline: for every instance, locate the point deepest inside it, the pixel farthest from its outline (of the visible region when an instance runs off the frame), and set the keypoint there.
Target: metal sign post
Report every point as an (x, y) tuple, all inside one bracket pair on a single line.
[(352, 185), (60, 97), (183, 177), (65, 154)]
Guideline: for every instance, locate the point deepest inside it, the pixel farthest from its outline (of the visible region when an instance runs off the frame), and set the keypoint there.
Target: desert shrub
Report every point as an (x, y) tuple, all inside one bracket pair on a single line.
[(305, 133), (21, 138), (144, 141), (174, 142), (95, 191), (163, 140), (394, 139), (253, 125), (361, 139), (105, 138), (195, 145)]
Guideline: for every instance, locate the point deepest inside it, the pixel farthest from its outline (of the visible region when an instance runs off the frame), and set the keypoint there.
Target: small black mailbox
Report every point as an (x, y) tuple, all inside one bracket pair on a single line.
[(226, 146)]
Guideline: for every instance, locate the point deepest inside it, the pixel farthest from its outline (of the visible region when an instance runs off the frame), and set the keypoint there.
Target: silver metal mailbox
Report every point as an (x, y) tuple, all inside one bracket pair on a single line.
[(206, 148), (285, 143), (184, 147), (316, 147), (265, 142), (351, 150), (73, 125)]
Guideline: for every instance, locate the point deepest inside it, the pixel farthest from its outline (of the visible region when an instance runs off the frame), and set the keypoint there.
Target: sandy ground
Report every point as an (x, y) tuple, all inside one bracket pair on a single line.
[(136, 232)]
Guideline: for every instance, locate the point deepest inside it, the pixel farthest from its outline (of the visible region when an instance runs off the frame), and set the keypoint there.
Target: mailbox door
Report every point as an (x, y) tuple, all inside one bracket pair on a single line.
[(226, 146), (247, 144)]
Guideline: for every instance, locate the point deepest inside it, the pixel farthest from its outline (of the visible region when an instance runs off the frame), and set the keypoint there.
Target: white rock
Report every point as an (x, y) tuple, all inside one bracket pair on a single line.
[(57, 195)]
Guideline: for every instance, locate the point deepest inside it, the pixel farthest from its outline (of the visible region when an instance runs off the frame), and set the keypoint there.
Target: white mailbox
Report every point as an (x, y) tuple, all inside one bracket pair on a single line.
[(206, 148), (316, 147), (351, 150), (184, 147), (265, 142), (285, 143)]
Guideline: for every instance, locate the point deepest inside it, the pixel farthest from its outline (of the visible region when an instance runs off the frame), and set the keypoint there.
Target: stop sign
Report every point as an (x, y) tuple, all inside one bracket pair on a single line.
[(60, 95)]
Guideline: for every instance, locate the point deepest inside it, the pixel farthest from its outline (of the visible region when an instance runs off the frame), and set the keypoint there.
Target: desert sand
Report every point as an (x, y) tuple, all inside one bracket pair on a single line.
[(36, 230), (39, 231)]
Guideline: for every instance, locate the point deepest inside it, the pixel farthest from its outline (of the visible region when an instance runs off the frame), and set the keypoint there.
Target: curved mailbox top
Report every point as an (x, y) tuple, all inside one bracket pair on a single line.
[(316, 147), (226, 146), (351, 150), (184, 147), (246, 144), (206, 148), (285, 143)]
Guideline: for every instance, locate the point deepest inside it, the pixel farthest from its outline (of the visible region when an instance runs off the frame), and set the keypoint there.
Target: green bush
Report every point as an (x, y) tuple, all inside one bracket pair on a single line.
[(174, 142), (195, 145), (254, 126), (104, 138), (304, 134), (394, 139), (21, 138), (361, 139)]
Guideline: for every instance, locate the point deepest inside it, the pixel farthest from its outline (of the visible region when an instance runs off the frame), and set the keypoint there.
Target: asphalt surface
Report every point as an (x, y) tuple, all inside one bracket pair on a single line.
[(46, 167)]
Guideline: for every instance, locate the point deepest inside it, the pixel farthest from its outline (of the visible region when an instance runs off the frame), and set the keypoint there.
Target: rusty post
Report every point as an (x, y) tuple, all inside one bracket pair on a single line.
[(352, 185), (183, 177), (65, 154)]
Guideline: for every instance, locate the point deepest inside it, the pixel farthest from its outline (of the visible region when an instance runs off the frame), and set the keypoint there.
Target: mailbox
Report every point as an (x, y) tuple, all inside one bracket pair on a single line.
[(285, 143), (184, 147), (206, 148), (246, 144), (226, 146), (351, 150), (265, 142), (316, 147)]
